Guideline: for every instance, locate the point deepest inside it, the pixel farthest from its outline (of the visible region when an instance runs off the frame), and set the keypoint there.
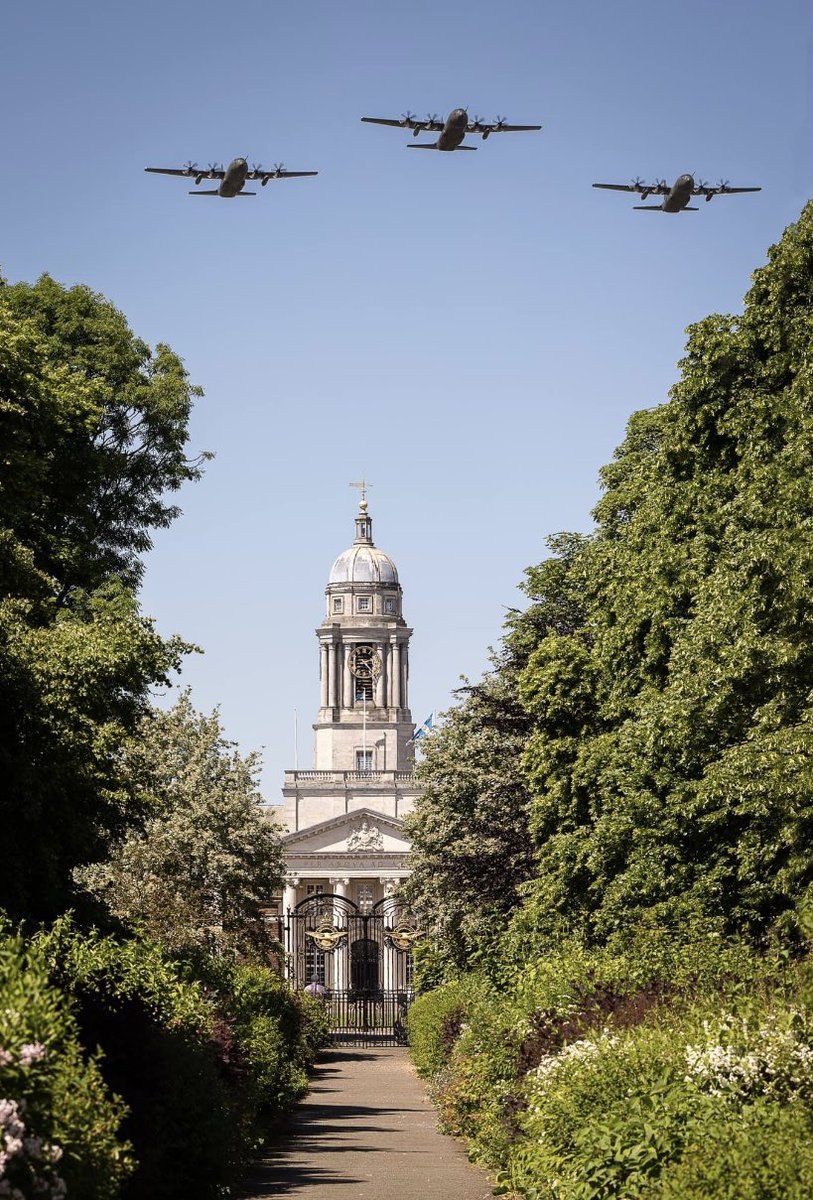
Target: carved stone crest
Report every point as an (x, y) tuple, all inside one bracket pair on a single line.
[(365, 836)]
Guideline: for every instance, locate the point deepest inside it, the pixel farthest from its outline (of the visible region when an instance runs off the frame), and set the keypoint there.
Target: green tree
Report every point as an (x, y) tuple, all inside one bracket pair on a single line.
[(471, 845), (203, 862), (670, 752), (92, 435), (93, 429)]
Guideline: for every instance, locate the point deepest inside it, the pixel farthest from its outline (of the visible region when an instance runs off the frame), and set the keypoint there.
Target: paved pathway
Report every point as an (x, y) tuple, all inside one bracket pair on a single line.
[(366, 1129)]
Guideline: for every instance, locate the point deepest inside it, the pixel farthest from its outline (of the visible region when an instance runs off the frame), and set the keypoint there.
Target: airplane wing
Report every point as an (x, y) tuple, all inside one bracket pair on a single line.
[(499, 127), (412, 123), (721, 190), (407, 122), (281, 174), (659, 188), (207, 174)]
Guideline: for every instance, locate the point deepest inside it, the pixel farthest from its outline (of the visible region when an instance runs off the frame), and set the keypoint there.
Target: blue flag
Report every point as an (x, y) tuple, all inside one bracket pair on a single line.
[(422, 730)]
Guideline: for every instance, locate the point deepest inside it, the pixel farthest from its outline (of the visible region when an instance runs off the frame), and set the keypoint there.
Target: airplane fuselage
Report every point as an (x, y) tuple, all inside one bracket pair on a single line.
[(234, 179), (679, 194), (454, 130)]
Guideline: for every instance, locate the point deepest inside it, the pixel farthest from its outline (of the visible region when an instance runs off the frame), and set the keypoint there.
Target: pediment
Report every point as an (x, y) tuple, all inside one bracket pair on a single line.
[(362, 833)]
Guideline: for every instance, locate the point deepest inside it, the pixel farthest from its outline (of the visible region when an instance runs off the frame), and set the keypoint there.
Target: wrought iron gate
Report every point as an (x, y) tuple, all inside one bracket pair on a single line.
[(359, 961)]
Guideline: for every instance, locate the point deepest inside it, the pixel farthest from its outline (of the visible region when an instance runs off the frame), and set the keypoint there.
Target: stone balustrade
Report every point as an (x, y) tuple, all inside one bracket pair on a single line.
[(345, 778)]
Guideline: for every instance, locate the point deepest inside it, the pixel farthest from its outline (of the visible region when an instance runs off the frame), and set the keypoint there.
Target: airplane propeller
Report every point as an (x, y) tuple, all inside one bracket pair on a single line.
[(704, 189), (723, 185), (190, 167), (213, 168), (279, 168), (500, 121), (638, 183), (257, 168), (432, 117), (407, 118)]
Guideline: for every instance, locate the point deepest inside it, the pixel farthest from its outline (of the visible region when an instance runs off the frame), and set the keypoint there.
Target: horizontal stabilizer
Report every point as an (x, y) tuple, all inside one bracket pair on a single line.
[(466, 147), (205, 192), (648, 207), (422, 145)]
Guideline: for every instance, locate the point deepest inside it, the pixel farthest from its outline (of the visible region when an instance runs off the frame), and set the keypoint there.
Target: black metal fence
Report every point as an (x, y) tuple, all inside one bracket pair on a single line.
[(359, 962)]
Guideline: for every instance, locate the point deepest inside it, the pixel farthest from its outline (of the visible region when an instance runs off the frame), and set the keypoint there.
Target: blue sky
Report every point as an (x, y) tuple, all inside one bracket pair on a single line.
[(469, 331)]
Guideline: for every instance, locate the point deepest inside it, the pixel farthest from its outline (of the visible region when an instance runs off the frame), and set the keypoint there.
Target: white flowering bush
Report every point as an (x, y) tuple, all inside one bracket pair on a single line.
[(58, 1123), (742, 1058), (28, 1165)]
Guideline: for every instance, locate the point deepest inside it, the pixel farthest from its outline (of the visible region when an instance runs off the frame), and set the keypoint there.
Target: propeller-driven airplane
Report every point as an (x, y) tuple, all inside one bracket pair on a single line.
[(675, 198), (232, 179), (451, 131)]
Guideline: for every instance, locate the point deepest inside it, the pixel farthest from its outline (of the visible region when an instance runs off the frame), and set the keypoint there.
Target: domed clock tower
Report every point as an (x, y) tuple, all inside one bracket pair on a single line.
[(344, 816)]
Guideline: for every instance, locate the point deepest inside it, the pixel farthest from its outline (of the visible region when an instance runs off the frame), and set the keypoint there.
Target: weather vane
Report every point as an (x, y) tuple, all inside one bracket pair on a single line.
[(364, 485)]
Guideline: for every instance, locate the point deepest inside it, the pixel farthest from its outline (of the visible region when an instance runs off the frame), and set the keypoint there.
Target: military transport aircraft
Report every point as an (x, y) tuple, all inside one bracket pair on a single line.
[(451, 131), (675, 198), (232, 179)]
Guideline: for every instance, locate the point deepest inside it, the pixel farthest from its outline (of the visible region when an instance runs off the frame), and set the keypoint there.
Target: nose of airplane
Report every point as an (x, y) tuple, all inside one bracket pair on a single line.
[(688, 180), (459, 114)]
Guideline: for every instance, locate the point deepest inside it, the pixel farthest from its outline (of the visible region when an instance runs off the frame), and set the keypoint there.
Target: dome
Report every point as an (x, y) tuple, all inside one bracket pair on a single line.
[(363, 564)]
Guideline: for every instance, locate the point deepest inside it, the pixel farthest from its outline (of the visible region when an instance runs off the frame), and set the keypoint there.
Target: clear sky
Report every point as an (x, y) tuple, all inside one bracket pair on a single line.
[(468, 331)]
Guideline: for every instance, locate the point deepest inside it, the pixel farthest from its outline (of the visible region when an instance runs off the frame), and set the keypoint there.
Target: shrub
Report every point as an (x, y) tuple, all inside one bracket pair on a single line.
[(164, 1053), (277, 1032), (434, 1021), (58, 1121)]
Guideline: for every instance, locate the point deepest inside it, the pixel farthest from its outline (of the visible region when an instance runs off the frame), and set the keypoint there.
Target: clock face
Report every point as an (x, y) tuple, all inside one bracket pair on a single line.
[(365, 662)]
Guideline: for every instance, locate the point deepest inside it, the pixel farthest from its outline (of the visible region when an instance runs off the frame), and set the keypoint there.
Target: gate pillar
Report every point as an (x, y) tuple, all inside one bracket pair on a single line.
[(340, 888)]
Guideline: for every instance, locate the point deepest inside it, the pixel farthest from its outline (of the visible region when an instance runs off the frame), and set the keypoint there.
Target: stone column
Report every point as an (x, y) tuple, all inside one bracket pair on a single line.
[(389, 980), (396, 675), (347, 702), (340, 955), (323, 674), (405, 677), (380, 683), (388, 656), (289, 894), (289, 902), (332, 676)]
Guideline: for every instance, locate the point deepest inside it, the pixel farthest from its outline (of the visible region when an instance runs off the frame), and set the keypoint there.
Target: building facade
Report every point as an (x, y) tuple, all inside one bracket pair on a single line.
[(344, 817)]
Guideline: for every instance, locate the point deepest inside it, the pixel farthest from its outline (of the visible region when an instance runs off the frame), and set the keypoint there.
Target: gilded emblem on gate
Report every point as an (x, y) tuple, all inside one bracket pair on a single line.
[(403, 936), (326, 935)]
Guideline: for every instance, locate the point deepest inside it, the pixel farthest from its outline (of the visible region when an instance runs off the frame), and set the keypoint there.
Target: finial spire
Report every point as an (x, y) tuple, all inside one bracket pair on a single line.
[(364, 524), (365, 486)]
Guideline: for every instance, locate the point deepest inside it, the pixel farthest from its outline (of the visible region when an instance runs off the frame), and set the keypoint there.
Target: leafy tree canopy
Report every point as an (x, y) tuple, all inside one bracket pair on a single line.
[(92, 433), (93, 428), (670, 755), (197, 871)]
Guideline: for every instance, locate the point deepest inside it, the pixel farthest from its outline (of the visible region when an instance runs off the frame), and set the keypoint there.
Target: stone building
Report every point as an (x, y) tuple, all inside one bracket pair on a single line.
[(344, 817)]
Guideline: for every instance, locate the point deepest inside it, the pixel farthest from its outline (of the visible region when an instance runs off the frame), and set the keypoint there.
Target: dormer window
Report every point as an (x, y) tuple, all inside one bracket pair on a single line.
[(364, 604)]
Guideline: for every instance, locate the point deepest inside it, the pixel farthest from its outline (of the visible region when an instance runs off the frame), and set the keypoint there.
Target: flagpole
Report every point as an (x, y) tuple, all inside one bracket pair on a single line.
[(296, 741)]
